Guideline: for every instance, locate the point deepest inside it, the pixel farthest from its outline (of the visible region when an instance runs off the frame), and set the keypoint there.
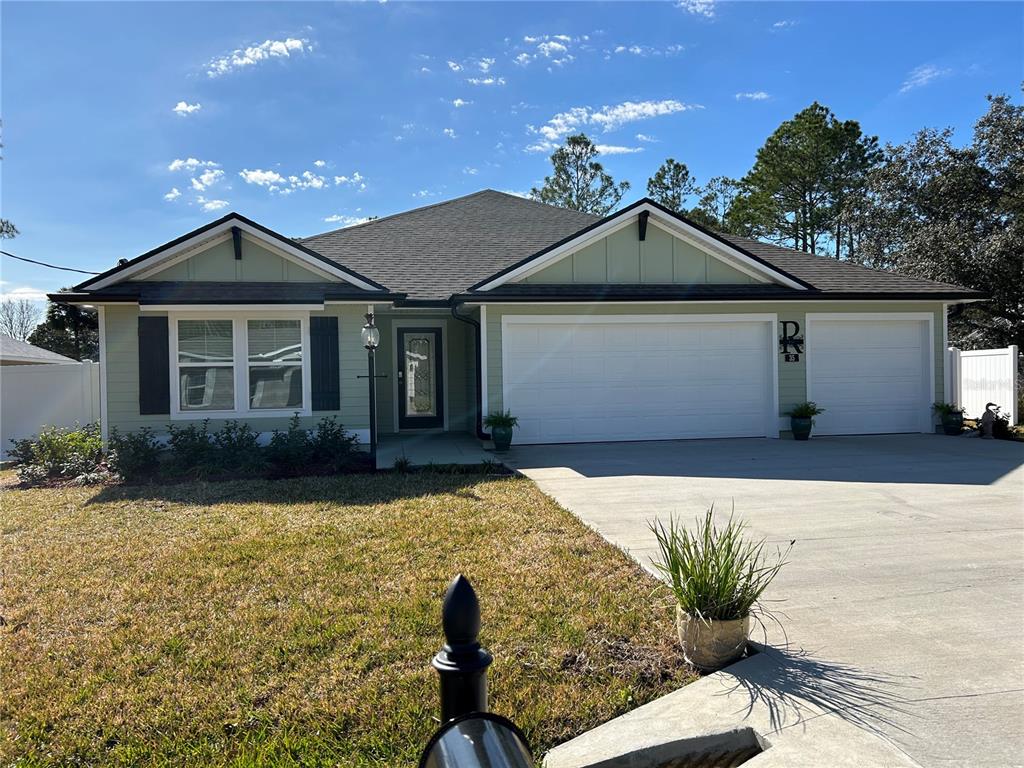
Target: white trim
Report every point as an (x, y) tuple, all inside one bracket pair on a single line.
[(230, 308), (716, 248), (104, 426), (395, 325), (187, 248), (946, 381), (240, 365), (929, 358), (484, 404), (696, 302), (771, 416)]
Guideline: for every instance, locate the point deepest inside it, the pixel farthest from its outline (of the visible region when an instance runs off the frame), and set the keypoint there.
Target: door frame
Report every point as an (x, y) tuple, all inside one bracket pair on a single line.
[(928, 375), (770, 319), (396, 388)]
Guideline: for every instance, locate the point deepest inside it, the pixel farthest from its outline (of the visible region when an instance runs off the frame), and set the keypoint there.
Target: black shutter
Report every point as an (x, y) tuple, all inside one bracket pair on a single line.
[(154, 366), (324, 364)]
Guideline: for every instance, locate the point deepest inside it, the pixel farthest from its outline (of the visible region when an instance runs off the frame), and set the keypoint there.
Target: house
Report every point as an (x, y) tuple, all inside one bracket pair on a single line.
[(14, 352), (636, 326)]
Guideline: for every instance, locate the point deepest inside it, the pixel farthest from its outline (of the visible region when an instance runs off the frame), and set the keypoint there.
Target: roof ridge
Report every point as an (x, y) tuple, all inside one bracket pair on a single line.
[(390, 216)]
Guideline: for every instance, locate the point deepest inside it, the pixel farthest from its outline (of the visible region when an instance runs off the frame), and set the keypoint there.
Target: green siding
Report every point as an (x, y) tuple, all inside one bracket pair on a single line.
[(792, 376), (621, 257), (218, 263), (122, 371)]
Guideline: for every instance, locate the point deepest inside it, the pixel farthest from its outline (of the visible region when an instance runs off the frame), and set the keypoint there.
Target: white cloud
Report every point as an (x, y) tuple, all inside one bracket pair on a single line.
[(645, 138), (183, 108), (783, 24), (254, 54), (753, 96), (705, 8), (191, 164), (486, 80), (523, 59), (470, 171), (556, 50), (646, 50), (174, 194), (449, 132), (608, 118), (460, 103), (454, 66), (354, 180), (549, 48), (423, 193), (262, 178), (346, 221), (484, 65), (613, 149), (206, 179), (922, 76), (319, 163), (21, 292), (211, 205)]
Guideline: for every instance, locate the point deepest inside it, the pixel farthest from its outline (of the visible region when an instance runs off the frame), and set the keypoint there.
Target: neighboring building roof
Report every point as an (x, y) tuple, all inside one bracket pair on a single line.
[(14, 351), (446, 250)]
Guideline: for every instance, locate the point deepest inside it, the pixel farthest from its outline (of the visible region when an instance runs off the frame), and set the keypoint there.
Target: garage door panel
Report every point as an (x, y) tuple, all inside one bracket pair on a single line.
[(626, 380), (871, 376)]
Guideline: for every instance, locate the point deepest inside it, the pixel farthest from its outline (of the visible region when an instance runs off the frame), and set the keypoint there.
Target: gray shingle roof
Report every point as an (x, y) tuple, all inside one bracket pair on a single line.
[(440, 250), (12, 350), (234, 292)]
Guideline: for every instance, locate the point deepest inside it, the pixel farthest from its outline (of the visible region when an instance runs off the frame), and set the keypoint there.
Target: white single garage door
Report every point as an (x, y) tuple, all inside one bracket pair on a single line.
[(590, 379), (871, 373)]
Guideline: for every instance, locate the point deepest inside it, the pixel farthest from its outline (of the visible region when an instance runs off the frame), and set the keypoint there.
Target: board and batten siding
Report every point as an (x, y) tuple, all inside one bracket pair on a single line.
[(122, 371), (622, 257), (792, 376), (218, 263)]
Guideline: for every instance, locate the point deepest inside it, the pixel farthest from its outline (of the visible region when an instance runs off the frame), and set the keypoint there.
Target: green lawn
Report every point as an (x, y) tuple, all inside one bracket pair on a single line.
[(293, 622)]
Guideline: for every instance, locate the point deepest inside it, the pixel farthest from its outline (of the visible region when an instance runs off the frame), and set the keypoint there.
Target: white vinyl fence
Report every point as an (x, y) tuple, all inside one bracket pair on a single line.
[(983, 376), (37, 396)]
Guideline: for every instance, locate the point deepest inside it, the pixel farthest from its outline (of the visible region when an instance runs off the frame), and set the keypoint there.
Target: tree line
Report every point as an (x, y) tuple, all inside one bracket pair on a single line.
[(925, 208)]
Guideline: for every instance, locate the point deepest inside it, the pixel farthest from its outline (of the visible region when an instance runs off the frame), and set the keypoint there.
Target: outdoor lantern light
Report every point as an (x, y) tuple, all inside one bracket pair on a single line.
[(477, 740), (370, 333)]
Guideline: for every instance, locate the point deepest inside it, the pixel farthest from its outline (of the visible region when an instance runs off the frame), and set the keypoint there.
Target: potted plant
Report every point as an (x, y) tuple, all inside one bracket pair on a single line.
[(717, 577), (952, 417), (501, 424), (801, 419)]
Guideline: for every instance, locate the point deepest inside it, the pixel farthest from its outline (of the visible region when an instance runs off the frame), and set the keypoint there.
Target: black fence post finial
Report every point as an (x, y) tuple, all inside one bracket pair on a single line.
[(461, 663)]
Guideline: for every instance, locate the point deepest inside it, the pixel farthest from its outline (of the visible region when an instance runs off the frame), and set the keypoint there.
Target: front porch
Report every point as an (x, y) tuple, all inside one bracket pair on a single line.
[(431, 448)]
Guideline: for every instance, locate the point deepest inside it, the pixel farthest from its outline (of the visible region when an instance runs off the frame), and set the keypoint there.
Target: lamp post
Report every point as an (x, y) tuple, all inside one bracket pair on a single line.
[(370, 335)]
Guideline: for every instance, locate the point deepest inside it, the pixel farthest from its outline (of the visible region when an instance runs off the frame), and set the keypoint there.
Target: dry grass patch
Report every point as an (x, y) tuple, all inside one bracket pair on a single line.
[(292, 622)]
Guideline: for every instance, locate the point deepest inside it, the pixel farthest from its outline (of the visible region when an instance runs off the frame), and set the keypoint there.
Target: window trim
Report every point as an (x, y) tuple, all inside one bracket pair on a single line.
[(240, 363)]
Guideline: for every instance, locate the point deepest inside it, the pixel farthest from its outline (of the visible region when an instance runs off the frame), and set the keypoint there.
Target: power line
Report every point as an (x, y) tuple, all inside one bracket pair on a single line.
[(51, 266)]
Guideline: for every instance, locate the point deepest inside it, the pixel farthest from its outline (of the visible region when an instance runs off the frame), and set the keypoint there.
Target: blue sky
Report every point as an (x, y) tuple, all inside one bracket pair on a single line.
[(128, 124)]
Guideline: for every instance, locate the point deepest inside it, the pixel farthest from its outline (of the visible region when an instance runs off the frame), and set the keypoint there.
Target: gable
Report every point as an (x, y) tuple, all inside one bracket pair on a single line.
[(622, 257), (216, 262)]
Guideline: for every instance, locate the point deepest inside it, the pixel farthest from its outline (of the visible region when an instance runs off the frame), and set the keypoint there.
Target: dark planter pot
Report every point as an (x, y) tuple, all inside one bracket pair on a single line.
[(953, 423), (801, 427), (502, 437)]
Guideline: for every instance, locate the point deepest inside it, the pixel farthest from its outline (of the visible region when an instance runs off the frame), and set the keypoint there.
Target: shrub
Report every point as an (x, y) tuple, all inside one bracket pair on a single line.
[(59, 452), (715, 574), (402, 464), (134, 455), (333, 447), (235, 449), (191, 448), (291, 452), (806, 410)]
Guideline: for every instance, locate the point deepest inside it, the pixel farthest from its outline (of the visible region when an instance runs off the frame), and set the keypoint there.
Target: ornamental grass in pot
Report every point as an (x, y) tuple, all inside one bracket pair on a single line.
[(952, 417), (501, 424), (717, 576)]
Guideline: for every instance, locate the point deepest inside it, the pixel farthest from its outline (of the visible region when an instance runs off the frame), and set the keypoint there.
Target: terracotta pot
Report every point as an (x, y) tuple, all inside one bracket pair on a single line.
[(711, 645)]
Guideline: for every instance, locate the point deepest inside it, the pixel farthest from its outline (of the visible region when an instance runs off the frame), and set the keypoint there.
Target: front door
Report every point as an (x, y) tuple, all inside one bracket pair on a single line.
[(420, 379)]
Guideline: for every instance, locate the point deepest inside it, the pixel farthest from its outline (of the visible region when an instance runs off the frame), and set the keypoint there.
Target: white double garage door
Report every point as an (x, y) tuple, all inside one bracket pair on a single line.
[(659, 377)]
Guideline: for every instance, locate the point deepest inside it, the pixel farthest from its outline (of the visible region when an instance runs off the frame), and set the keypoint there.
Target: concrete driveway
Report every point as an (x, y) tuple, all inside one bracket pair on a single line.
[(903, 602)]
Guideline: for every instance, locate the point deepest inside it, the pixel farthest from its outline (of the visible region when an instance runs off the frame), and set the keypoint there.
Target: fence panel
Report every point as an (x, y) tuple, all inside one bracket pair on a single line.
[(36, 396), (986, 376)]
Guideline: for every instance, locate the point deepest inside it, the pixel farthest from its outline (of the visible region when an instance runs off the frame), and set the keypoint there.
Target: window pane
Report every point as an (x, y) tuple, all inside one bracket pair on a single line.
[(204, 341), (275, 386), (207, 388), (275, 341)]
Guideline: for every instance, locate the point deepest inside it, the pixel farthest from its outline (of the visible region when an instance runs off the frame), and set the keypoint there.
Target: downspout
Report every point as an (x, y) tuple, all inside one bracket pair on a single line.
[(481, 435)]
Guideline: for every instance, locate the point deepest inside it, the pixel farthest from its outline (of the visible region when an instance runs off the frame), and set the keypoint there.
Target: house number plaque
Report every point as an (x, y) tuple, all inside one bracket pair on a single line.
[(791, 343)]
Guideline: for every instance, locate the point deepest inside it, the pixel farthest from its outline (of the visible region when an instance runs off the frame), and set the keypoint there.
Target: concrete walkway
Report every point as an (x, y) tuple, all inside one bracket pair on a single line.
[(907, 573)]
